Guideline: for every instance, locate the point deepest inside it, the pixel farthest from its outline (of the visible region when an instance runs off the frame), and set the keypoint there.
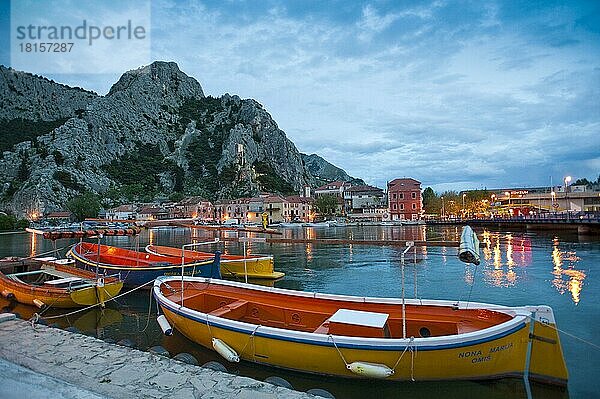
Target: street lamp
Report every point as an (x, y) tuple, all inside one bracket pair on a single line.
[(568, 206), (463, 204), (443, 210)]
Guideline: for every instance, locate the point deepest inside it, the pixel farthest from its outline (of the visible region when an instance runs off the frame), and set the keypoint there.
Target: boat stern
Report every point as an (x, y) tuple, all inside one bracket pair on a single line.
[(546, 361)]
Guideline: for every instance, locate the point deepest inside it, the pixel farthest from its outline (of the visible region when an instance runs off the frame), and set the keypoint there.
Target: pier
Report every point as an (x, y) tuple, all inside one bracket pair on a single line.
[(582, 224), (50, 361)]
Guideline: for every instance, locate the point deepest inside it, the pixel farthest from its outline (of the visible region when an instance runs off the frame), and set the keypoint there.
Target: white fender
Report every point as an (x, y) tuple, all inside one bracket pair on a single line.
[(164, 325), (373, 370), (225, 350)]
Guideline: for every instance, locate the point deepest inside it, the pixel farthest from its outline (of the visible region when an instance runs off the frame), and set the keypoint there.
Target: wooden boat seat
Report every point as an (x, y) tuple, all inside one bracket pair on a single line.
[(234, 310), (465, 326), (61, 281)]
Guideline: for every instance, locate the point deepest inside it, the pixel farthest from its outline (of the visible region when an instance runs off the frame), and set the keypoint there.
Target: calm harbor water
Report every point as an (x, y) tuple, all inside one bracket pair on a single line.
[(518, 268)]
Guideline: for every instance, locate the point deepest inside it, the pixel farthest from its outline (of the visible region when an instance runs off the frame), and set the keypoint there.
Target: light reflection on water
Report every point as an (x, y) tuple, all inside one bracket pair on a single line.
[(567, 278)]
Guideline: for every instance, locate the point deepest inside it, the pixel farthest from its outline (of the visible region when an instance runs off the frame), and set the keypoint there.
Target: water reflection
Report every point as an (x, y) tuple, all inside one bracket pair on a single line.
[(504, 256), (566, 278), (33, 244)]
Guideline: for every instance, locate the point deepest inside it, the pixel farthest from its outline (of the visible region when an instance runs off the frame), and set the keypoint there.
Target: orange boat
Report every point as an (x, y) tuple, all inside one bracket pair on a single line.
[(46, 282), (363, 337), (138, 268), (257, 266)]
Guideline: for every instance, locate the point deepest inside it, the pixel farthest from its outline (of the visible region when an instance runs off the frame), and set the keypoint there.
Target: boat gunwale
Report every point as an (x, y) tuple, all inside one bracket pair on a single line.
[(25, 287), (224, 258), (72, 252), (519, 316)]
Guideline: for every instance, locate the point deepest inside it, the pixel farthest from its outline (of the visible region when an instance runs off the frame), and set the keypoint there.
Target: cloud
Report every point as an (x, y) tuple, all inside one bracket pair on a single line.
[(485, 94)]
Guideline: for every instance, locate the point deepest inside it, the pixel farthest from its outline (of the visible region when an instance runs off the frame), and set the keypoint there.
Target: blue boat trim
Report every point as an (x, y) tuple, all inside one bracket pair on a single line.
[(341, 344)]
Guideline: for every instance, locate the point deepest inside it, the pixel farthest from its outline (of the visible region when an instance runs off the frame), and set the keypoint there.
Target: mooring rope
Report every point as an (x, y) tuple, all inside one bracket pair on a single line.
[(403, 352), (251, 338), (97, 304), (554, 327), (338, 350)]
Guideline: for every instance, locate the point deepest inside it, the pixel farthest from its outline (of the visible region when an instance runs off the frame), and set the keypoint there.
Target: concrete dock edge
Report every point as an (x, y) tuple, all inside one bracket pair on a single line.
[(114, 371)]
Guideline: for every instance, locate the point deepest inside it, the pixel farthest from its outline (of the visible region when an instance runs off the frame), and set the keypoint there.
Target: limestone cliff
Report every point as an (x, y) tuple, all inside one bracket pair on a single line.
[(153, 134)]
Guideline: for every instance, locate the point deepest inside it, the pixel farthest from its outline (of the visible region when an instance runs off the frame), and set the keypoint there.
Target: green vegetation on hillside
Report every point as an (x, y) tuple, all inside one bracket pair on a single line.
[(270, 180), (139, 172), (66, 179), (13, 131)]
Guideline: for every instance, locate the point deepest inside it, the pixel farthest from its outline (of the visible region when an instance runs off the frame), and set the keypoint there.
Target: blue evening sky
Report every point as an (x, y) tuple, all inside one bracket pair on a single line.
[(456, 94)]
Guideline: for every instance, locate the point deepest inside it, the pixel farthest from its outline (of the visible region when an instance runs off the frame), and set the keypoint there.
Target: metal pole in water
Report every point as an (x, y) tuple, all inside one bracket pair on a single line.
[(409, 244)]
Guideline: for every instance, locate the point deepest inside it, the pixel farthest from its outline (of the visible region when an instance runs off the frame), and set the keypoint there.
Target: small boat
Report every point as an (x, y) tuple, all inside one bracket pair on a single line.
[(365, 337), (257, 266), (349, 336), (52, 282), (138, 268)]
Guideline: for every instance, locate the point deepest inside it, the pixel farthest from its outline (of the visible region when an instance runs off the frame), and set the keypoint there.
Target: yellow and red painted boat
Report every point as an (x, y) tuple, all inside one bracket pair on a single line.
[(137, 268), (257, 266), (55, 283), (348, 336)]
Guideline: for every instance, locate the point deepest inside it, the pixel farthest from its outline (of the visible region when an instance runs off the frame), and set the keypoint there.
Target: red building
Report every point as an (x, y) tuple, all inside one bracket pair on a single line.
[(404, 199)]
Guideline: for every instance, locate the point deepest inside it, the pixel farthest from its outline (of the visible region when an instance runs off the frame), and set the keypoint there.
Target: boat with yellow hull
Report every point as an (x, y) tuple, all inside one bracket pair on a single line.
[(257, 266), (362, 337), (54, 283)]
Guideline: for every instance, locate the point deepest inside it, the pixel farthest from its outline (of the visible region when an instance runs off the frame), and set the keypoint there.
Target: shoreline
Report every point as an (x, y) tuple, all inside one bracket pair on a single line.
[(89, 365)]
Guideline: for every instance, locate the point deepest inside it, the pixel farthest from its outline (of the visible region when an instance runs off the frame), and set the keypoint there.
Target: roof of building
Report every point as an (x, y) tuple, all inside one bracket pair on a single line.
[(151, 210), (59, 215), (404, 181), (192, 200), (299, 199), (124, 208), (273, 199), (334, 185), (364, 188)]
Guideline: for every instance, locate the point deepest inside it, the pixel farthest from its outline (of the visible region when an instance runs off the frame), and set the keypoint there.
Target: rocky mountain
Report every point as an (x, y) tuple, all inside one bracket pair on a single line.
[(325, 172), (153, 134)]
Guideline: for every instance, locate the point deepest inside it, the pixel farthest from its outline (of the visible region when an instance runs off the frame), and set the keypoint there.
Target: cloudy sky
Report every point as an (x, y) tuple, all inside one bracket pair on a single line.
[(455, 94)]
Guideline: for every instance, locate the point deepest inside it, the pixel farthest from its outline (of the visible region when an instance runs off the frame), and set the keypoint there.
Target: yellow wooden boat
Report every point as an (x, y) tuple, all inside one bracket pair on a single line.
[(363, 337), (47, 282), (257, 266)]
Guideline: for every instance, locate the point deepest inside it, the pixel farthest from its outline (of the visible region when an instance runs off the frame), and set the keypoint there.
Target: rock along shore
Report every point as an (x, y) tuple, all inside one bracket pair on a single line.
[(91, 367)]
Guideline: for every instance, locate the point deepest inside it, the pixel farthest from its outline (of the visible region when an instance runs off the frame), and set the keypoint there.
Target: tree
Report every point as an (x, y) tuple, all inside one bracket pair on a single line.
[(84, 206), (326, 205), (431, 202)]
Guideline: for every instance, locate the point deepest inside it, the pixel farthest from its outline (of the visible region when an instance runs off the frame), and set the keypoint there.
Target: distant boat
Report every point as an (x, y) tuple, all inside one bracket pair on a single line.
[(137, 268), (363, 337), (257, 266), (44, 282)]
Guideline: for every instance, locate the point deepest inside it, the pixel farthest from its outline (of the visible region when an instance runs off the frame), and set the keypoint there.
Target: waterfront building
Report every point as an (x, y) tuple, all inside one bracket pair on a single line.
[(122, 212), (194, 207), (365, 202), (152, 213), (298, 208), (404, 199), (274, 206), (335, 188), (535, 201)]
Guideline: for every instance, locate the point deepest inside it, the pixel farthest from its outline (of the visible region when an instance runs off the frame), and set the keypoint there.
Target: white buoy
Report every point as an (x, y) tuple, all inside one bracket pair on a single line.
[(225, 350), (39, 303), (373, 370), (164, 325)]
